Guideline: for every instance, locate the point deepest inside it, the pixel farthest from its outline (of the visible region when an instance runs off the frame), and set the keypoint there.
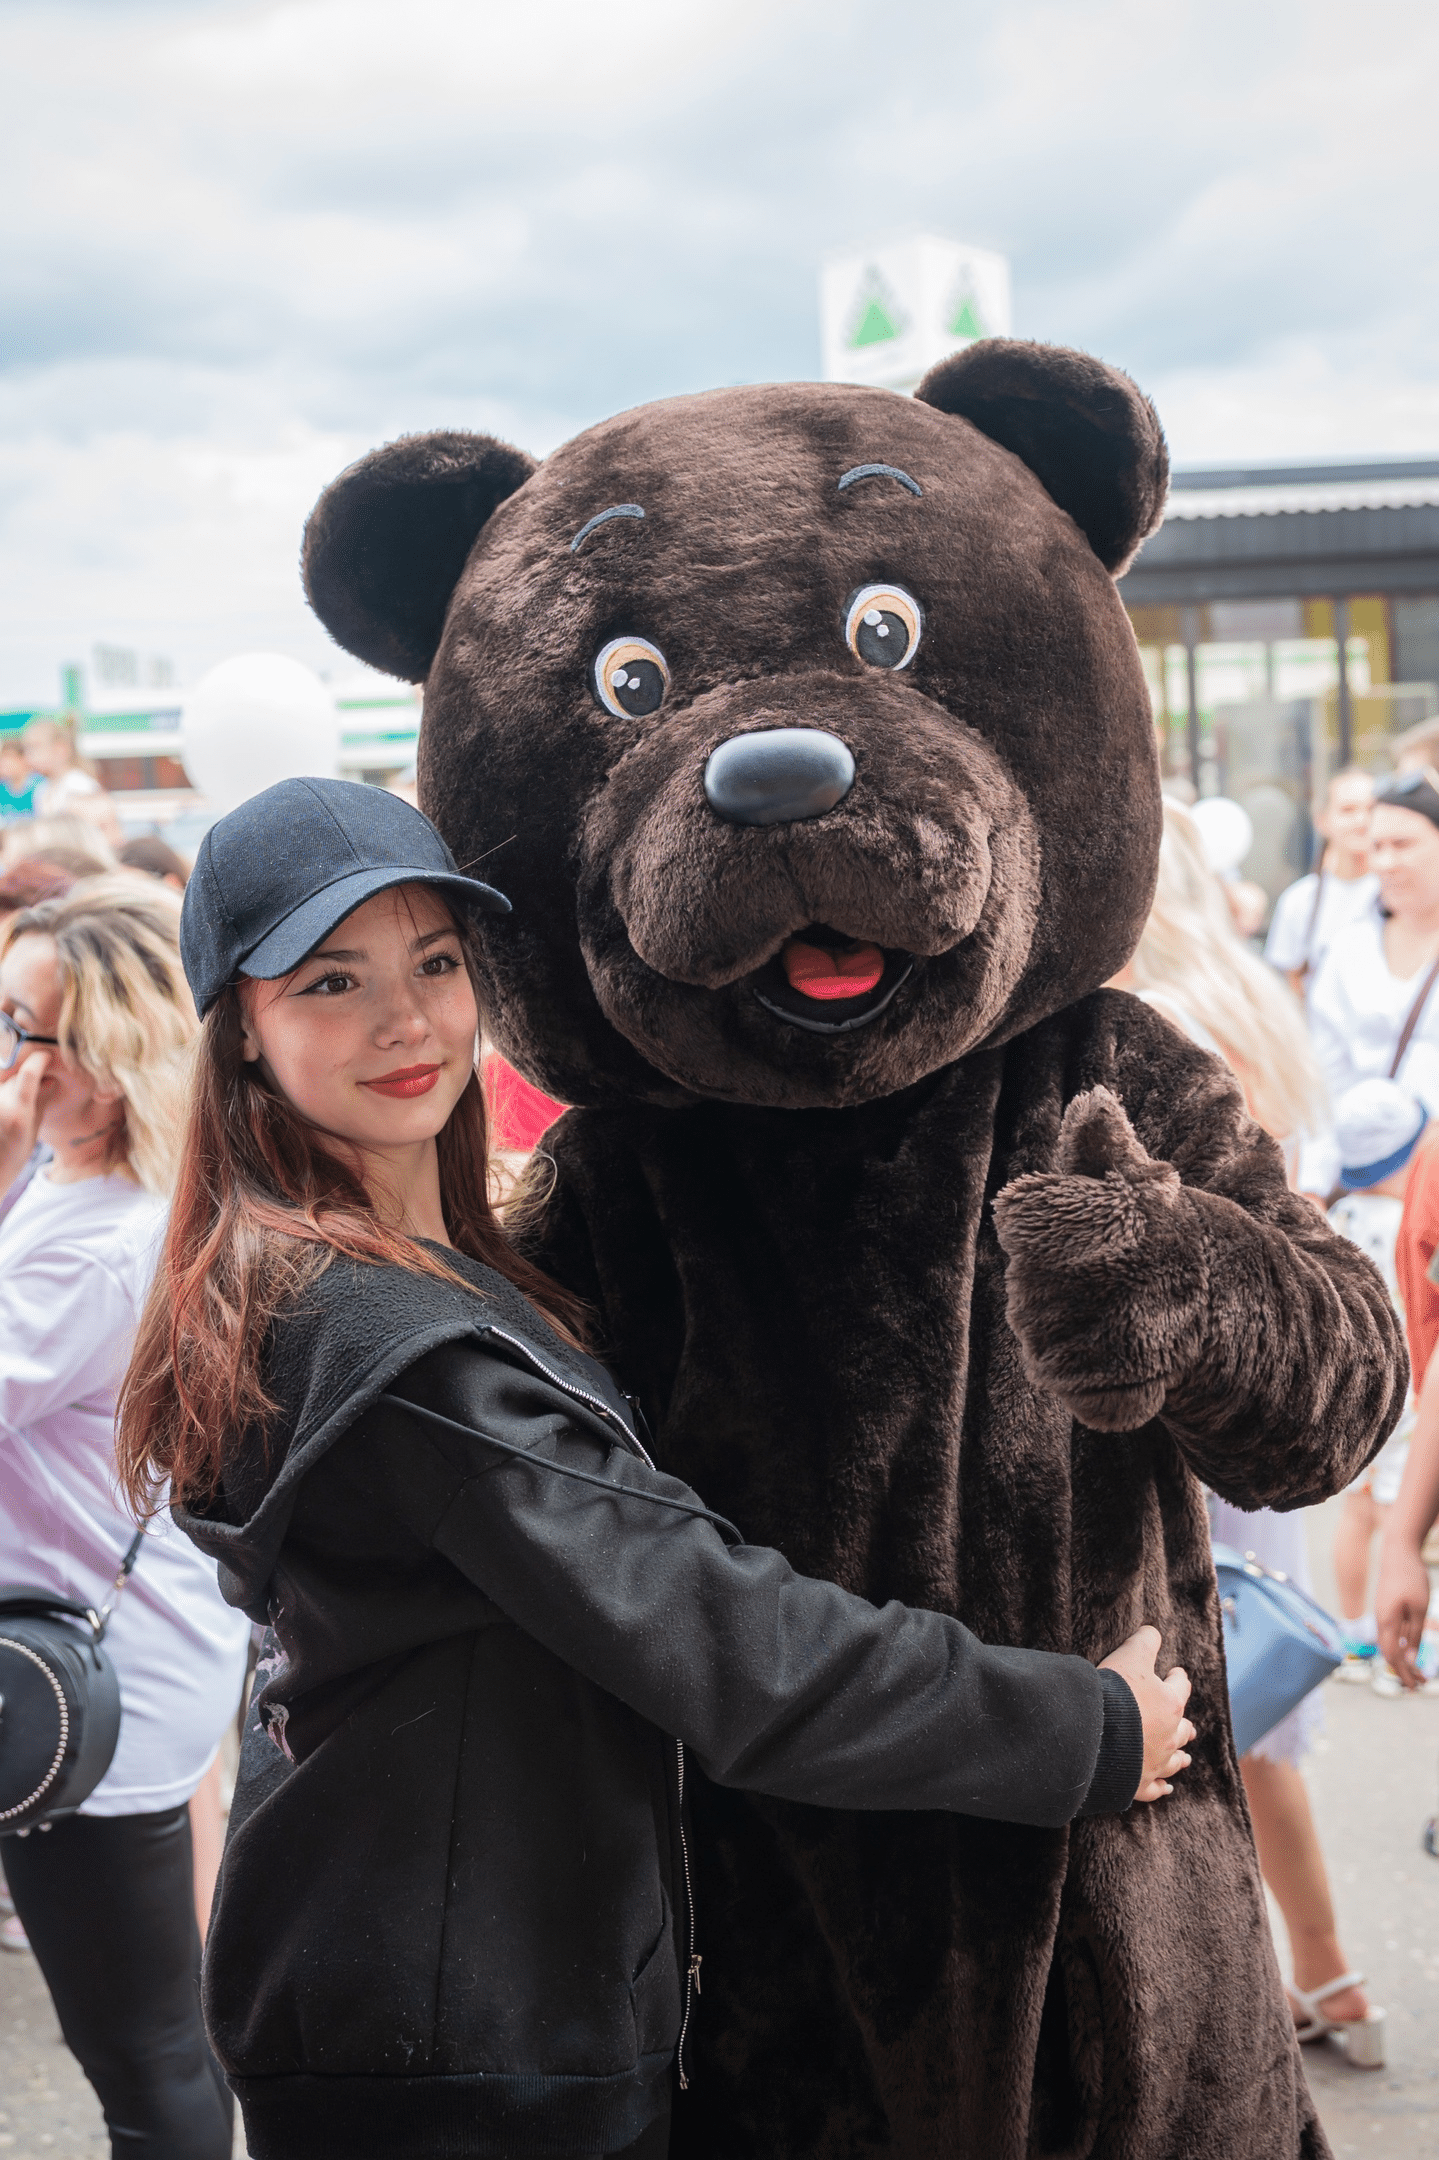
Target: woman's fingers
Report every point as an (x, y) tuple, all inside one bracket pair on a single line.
[(20, 1110), (1401, 1603), (1158, 1787)]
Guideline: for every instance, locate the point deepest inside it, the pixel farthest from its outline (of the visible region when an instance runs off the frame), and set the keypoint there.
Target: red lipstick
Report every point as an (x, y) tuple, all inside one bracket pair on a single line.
[(401, 1086)]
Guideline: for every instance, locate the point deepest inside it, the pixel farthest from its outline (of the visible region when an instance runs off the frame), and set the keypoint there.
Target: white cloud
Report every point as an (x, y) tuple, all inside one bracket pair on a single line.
[(247, 241)]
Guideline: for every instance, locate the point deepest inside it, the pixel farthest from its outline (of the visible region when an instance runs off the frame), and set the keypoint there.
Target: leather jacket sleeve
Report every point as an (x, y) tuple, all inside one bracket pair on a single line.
[(778, 1683)]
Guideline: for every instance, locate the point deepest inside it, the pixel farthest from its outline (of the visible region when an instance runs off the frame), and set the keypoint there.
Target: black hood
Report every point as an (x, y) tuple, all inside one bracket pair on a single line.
[(330, 1357)]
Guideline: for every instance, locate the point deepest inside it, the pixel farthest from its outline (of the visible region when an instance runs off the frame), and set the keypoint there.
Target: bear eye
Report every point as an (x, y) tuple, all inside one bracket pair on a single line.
[(884, 625), (631, 678)]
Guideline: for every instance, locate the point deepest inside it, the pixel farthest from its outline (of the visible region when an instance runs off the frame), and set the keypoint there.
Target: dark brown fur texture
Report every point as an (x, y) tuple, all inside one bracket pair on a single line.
[(957, 1308)]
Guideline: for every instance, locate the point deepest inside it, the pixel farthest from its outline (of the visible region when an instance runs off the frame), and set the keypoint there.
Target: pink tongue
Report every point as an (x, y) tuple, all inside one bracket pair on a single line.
[(816, 973)]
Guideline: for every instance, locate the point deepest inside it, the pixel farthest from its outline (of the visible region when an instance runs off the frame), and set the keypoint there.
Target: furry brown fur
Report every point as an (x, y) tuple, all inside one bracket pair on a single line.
[(956, 1307)]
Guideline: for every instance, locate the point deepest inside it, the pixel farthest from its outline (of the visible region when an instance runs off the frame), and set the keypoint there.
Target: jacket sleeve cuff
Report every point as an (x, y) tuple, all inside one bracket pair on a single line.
[(1121, 1750)]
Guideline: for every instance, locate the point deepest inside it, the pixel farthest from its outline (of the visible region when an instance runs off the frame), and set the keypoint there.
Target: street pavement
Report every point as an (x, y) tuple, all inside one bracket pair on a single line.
[(1374, 1777)]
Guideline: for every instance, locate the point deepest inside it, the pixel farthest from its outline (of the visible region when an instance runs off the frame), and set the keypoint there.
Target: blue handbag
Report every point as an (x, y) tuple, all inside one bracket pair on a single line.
[(1278, 1643)]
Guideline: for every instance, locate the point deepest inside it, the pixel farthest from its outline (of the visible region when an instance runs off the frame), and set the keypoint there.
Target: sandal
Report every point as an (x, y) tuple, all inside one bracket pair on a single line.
[(1363, 2037)]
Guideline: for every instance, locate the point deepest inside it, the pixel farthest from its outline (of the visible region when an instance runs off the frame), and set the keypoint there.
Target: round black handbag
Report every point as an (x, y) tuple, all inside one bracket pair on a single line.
[(59, 1701)]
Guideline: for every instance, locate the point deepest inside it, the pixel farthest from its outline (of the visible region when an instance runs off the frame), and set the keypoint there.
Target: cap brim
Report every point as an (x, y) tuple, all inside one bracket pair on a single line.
[(308, 925), (1357, 1177)]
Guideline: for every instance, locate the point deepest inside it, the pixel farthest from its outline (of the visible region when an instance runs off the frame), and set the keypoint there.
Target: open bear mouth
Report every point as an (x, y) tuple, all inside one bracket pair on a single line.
[(828, 983)]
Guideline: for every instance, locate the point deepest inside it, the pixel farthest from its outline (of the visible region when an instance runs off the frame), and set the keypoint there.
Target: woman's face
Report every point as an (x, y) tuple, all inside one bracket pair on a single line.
[(1404, 850), (372, 1039), (1346, 815), (77, 1118)]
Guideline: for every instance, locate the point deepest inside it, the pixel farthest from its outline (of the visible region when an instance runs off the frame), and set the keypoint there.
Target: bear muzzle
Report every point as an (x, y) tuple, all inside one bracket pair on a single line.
[(819, 854)]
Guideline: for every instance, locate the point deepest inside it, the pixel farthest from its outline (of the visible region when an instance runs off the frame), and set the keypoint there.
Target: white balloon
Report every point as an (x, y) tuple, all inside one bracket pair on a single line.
[(1226, 830), (254, 720)]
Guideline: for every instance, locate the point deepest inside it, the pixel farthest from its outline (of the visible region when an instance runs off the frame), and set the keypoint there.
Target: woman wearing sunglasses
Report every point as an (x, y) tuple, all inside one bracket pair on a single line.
[(1374, 1003), (95, 1028)]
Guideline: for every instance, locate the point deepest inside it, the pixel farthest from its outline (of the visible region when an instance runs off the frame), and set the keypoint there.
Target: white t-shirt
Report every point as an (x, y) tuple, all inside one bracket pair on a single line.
[(75, 1264), (1298, 936), (1357, 1010), (1370, 1220), (54, 798)]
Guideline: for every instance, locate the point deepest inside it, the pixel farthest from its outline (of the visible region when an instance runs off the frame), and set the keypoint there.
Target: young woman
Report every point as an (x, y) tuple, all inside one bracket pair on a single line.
[(96, 1025), (1374, 1003), (455, 1913), (64, 783), (1309, 914), (1191, 966)]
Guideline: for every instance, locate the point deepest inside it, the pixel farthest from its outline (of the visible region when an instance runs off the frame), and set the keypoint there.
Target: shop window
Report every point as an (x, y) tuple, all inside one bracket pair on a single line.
[(1416, 637)]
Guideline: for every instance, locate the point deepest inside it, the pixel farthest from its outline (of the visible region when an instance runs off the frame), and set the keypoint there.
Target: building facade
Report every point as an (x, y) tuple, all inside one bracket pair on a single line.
[(1288, 619)]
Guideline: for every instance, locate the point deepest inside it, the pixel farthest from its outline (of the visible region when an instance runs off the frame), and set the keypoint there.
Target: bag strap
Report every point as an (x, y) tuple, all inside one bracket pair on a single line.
[(1406, 1033), (127, 1568), (26, 1601)]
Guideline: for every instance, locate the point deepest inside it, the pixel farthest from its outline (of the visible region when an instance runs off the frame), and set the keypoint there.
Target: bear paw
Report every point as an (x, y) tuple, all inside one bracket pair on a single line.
[(1107, 1283)]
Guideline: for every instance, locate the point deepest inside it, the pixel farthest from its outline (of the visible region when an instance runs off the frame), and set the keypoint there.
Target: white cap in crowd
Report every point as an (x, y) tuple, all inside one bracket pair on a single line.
[(1378, 1125)]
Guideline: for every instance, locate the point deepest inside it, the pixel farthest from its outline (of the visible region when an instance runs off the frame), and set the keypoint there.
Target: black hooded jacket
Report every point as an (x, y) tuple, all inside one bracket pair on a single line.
[(453, 1916)]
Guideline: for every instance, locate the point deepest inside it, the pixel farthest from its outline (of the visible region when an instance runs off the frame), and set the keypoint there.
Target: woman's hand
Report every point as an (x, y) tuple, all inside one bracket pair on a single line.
[(1400, 1602), (20, 1113), (1167, 1731)]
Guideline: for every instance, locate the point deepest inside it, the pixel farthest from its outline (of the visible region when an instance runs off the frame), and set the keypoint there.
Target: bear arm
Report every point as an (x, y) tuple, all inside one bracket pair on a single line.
[(1295, 1371)]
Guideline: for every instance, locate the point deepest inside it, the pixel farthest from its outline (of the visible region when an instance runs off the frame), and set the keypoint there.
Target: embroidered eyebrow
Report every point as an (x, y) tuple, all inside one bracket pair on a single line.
[(875, 472), (620, 510)]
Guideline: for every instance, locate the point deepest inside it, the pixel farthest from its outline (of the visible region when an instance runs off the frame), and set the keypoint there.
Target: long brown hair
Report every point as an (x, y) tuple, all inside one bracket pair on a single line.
[(261, 1208)]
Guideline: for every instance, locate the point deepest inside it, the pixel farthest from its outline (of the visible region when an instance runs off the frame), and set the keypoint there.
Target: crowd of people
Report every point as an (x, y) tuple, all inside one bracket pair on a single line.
[(1333, 1037), (107, 1016)]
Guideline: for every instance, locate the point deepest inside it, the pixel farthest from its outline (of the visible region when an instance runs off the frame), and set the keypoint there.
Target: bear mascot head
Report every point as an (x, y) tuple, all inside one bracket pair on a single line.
[(802, 725), (806, 732)]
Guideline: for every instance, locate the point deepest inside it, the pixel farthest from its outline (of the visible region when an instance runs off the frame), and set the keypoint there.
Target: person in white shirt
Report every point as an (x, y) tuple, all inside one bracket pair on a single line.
[(1309, 914), (95, 1028), (67, 789), (1374, 1003), (64, 783)]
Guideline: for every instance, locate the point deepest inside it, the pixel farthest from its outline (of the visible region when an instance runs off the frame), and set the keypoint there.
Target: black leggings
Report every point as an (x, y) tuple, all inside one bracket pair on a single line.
[(108, 1902)]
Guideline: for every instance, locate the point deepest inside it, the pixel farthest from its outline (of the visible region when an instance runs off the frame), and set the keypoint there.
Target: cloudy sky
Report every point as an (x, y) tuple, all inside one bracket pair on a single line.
[(243, 243)]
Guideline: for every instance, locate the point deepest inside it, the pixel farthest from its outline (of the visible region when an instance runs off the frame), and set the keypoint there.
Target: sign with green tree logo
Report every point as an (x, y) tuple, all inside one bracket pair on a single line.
[(889, 314)]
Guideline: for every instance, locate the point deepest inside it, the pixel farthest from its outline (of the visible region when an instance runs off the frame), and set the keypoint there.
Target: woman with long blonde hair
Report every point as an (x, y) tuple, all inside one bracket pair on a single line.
[(96, 1035), (1192, 966)]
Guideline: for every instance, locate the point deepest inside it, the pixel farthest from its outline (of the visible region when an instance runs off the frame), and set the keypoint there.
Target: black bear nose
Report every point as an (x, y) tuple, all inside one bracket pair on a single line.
[(778, 775)]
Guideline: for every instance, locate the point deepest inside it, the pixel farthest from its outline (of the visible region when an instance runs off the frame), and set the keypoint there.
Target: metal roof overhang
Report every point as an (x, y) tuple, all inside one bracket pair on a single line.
[(1310, 554)]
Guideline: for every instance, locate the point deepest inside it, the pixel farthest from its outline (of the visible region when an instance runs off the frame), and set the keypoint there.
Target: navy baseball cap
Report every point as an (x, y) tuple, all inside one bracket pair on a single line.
[(272, 880)]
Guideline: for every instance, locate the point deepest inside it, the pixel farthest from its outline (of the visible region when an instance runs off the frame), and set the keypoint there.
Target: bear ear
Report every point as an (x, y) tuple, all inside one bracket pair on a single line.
[(386, 542), (1082, 428)]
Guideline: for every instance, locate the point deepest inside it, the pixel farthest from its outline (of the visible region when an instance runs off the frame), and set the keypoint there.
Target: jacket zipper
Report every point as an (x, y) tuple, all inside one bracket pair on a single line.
[(692, 1969), (612, 1417), (572, 1388)]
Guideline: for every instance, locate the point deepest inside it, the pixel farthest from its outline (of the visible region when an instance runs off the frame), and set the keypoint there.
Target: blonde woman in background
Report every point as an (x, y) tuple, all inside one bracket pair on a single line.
[(1192, 967), (73, 842), (67, 787), (50, 751), (96, 1028)]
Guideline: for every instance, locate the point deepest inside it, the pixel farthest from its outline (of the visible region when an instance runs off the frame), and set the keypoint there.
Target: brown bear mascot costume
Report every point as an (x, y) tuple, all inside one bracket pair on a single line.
[(805, 730)]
